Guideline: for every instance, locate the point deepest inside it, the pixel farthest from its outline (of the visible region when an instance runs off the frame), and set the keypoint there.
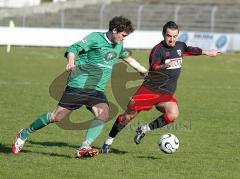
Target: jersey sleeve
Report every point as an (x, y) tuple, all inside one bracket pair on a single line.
[(155, 58), (86, 44), (191, 51), (124, 53)]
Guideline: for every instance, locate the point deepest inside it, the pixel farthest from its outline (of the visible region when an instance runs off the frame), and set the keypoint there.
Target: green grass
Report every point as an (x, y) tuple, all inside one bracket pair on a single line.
[(208, 126)]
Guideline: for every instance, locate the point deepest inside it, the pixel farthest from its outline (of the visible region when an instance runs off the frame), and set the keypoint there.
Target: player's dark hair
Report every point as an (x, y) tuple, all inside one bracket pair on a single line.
[(169, 25), (121, 24)]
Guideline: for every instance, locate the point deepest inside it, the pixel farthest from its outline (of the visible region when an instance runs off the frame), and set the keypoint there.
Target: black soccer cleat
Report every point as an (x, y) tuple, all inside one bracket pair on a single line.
[(105, 148), (139, 135)]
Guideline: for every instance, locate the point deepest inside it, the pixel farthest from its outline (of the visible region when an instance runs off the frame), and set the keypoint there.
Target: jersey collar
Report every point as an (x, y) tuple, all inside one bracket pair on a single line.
[(105, 35)]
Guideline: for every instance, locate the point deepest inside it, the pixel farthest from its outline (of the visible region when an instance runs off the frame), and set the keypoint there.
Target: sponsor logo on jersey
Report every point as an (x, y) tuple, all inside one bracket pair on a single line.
[(110, 56), (175, 63)]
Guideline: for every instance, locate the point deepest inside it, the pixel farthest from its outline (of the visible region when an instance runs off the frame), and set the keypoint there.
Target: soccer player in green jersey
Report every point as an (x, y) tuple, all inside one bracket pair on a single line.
[(90, 62)]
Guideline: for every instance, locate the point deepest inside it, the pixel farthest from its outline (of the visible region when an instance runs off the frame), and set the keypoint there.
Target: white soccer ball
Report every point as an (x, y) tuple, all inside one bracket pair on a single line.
[(168, 143)]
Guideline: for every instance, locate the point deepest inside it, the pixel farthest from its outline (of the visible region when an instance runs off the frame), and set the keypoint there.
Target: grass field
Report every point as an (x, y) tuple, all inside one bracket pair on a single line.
[(208, 126)]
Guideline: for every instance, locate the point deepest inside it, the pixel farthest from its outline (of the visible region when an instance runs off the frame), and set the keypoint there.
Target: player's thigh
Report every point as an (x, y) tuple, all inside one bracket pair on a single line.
[(101, 111), (59, 113)]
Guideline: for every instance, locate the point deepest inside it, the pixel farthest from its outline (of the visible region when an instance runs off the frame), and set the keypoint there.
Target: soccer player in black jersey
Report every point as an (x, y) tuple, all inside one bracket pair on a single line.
[(159, 86)]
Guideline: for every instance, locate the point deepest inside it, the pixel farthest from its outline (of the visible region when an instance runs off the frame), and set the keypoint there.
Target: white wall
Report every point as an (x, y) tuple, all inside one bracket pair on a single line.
[(19, 3), (138, 40), (58, 1)]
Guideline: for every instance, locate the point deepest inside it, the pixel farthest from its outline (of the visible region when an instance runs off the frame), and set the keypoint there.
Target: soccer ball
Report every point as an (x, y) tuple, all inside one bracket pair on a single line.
[(168, 143)]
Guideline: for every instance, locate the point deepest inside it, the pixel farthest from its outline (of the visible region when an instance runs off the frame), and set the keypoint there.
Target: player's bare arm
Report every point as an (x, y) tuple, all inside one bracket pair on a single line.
[(137, 66), (70, 61), (211, 53)]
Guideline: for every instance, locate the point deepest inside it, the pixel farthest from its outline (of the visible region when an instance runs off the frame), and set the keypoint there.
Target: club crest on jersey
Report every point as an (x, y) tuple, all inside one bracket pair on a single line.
[(179, 52)]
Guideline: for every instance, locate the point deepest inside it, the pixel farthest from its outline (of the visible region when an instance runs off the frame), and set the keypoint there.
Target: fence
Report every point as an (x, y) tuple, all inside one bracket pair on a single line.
[(144, 16)]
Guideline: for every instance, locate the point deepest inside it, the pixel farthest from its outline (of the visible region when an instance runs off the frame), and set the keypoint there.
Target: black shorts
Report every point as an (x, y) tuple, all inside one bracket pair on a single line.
[(74, 98)]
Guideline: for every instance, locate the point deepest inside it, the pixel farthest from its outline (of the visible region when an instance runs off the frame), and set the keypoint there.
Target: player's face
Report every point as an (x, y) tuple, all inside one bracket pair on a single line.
[(170, 37), (119, 36)]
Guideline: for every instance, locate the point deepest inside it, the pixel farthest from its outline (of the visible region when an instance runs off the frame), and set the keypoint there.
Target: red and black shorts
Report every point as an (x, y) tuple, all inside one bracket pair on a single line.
[(145, 99)]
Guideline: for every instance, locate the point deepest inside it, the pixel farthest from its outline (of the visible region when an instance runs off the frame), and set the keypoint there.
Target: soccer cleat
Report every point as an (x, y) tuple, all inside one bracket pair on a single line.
[(18, 143), (105, 148), (83, 152), (139, 135)]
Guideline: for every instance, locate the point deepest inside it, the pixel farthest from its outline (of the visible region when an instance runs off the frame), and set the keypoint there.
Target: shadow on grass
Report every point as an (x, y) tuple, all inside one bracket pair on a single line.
[(52, 144), (63, 144), (5, 149), (149, 157), (116, 151), (46, 153)]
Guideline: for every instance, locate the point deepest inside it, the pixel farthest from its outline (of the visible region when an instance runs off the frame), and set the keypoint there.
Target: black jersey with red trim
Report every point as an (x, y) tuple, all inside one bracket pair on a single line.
[(160, 78)]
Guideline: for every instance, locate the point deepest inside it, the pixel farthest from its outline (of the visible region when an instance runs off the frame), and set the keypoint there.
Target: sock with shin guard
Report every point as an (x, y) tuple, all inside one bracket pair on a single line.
[(161, 121), (39, 123)]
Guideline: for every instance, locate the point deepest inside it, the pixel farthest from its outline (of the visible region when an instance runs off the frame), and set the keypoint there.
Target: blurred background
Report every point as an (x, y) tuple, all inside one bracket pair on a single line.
[(209, 16), (193, 15)]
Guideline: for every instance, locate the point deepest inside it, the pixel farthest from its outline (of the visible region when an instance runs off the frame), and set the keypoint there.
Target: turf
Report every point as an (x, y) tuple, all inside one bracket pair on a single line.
[(208, 126)]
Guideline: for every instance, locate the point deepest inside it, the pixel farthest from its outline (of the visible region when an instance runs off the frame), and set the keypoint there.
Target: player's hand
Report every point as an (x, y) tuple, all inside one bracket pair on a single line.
[(144, 74), (212, 53), (70, 65)]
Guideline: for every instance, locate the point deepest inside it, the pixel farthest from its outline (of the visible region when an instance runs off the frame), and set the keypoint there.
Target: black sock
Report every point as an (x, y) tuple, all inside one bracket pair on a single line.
[(161, 121), (119, 124)]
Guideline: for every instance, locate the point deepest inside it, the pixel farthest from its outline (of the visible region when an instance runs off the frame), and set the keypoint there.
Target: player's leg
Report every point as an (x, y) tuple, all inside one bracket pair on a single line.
[(143, 99), (101, 113), (97, 103), (120, 123), (171, 112), (69, 101), (42, 121)]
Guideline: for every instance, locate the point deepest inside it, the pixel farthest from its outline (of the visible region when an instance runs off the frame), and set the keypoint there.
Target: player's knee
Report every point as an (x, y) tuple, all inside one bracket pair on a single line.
[(104, 116), (130, 115), (127, 117), (124, 119), (173, 116), (54, 117)]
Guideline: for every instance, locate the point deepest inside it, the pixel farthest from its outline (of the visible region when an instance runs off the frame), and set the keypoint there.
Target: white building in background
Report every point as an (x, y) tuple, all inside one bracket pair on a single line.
[(19, 3), (59, 0)]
